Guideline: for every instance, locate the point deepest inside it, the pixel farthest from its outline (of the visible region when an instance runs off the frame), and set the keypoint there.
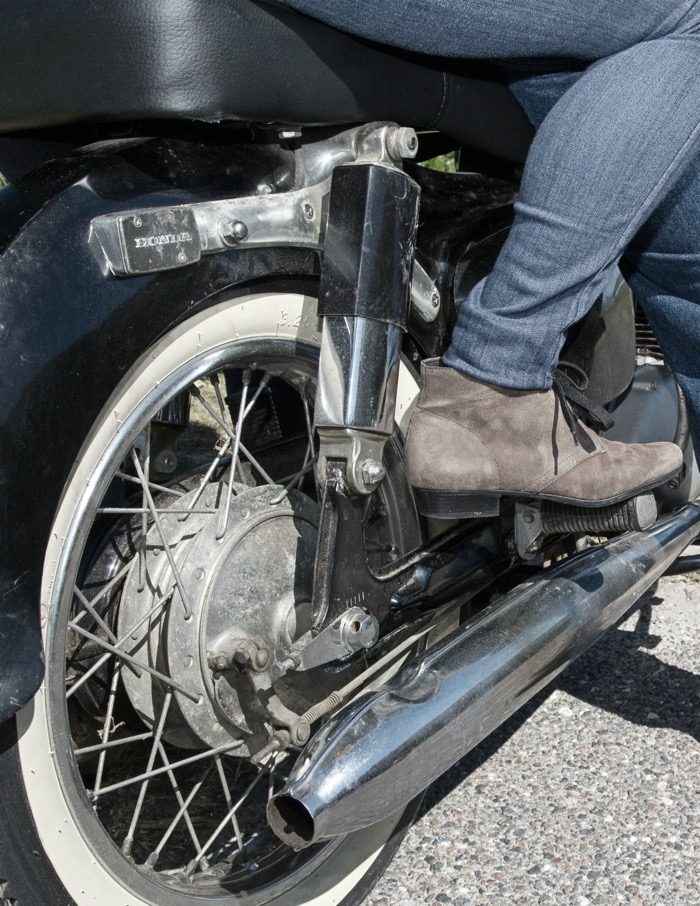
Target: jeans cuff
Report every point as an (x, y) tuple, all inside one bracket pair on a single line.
[(514, 377)]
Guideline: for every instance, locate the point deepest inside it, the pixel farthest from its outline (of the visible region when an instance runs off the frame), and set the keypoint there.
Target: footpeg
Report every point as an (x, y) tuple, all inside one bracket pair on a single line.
[(535, 521)]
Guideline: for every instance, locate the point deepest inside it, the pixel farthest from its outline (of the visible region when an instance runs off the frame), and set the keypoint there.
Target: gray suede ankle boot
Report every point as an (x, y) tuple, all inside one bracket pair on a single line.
[(470, 443)]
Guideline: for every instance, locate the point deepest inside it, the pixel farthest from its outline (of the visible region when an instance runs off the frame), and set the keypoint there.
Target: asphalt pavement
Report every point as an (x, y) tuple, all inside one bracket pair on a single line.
[(590, 795)]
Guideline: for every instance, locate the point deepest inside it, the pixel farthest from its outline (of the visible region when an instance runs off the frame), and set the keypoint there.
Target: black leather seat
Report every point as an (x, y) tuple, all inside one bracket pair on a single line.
[(64, 62)]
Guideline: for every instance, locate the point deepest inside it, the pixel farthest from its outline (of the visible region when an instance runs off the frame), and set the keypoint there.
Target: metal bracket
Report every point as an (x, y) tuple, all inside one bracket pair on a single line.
[(355, 630), (529, 533), (342, 578), (149, 240)]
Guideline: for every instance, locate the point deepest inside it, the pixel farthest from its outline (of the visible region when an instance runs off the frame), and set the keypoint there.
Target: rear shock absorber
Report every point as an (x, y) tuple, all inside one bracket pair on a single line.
[(364, 301)]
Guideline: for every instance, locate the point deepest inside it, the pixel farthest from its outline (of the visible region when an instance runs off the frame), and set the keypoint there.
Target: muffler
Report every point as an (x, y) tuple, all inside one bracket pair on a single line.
[(389, 745)]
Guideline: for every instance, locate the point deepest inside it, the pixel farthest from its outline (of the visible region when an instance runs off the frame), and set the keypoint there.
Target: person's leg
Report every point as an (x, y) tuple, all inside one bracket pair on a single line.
[(662, 264), (491, 30), (603, 159)]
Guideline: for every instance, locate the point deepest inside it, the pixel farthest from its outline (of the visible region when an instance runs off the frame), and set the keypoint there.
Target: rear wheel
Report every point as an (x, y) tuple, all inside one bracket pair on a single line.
[(179, 570)]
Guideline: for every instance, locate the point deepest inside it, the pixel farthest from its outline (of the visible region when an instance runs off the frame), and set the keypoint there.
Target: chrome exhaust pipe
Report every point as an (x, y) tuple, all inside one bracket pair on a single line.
[(377, 754)]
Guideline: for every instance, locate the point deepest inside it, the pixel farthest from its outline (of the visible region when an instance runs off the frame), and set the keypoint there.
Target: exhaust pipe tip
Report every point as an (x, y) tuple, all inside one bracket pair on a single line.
[(291, 821)]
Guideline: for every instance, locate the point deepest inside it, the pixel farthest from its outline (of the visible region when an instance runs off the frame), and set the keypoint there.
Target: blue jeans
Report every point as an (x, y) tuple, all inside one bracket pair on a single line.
[(617, 144), (662, 263)]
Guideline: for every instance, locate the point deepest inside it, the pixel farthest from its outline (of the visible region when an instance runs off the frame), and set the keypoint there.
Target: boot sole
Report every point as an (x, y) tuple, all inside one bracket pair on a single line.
[(487, 504)]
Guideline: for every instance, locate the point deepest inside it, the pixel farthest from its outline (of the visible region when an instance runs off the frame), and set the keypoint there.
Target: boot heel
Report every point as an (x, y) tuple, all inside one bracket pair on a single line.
[(456, 504)]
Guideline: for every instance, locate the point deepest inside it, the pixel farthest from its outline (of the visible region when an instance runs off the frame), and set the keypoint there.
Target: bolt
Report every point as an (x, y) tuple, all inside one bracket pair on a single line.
[(182, 257), (242, 657), (401, 142), (137, 222), (279, 741), (264, 189), (199, 573), (528, 517), (251, 654), (308, 210), (300, 732), (435, 299), (279, 668), (233, 231), (372, 472), (218, 661)]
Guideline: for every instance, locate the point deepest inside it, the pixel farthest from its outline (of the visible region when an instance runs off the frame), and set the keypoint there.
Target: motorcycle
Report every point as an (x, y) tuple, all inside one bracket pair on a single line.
[(233, 651)]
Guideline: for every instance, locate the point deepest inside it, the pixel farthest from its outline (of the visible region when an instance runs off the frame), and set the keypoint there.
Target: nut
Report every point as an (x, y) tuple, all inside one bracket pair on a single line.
[(401, 142)]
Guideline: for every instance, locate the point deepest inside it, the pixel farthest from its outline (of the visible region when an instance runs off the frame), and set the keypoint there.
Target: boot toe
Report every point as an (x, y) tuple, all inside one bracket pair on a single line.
[(621, 471)]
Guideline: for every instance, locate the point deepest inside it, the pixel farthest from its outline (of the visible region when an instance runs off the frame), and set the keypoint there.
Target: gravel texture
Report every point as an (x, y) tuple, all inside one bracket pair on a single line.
[(590, 795)]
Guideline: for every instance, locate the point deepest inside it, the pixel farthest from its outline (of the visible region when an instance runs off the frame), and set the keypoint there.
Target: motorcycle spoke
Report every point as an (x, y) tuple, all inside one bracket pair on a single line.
[(309, 456), (101, 623), (156, 853), (111, 744), (146, 511), (161, 488), (106, 588), (144, 479), (229, 802), (215, 382), (232, 435), (226, 445), (129, 839), (223, 520), (159, 525), (210, 753), (206, 479), (262, 386), (202, 850), (273, 770), (130, 659), (94, 614), (127, 635), (292, 481), (107, 728), (181, 803)]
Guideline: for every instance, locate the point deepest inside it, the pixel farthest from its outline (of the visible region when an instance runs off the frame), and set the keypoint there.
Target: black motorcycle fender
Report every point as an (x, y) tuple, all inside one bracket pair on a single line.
[(69, 333)]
